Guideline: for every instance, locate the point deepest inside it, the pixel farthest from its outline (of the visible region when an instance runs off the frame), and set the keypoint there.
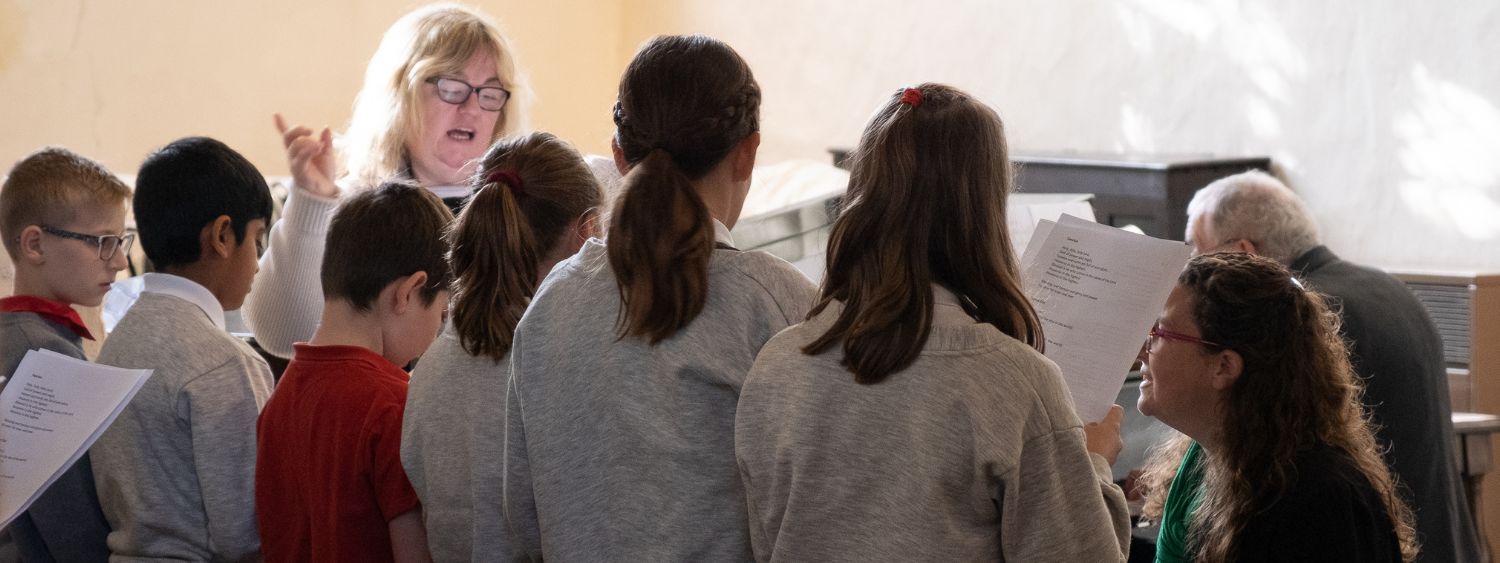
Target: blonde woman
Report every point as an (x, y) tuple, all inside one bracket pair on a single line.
[(437, 93)]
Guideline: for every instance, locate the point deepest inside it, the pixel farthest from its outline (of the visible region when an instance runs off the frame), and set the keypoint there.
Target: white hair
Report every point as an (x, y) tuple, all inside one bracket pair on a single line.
[(1257, 207)]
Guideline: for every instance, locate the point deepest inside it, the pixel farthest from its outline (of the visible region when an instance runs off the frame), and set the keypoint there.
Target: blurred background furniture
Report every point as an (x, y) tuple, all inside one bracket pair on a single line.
[(1149, 191), (1465, 306)]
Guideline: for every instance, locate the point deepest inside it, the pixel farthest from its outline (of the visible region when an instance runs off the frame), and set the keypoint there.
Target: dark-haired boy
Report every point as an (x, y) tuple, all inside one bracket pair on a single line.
[(63, 220), (329, 485), (175, 470)]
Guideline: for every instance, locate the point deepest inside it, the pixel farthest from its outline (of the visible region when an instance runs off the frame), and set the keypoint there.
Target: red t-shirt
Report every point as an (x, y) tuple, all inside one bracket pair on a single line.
[(328, 476)]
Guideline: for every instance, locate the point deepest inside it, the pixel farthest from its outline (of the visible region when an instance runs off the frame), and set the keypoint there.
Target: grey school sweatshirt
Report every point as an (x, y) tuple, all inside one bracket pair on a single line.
[(452, 447), (176, 470), (621, 451), (65, 523), (972, 453)]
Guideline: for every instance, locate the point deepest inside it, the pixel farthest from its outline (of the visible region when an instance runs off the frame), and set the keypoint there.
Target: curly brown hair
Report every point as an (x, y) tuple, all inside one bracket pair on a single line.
[(1297, 390)]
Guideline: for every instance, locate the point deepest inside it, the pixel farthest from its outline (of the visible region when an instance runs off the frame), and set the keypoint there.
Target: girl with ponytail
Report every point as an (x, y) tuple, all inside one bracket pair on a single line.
[(627, 366), (913, 417), (534, 203)]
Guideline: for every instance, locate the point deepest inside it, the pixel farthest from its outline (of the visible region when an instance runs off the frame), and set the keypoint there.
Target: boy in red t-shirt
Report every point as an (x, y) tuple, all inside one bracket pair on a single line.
[(328, 479)]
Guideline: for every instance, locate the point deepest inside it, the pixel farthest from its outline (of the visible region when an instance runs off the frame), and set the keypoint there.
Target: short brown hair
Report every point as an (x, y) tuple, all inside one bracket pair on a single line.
[(48, 187), (381, 235)]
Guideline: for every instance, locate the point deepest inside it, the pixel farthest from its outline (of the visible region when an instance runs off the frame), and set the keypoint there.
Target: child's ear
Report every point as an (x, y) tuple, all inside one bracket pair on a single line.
[(31, 245), (589, 225), (408, 292), (744, 156), (217, 238), (620, 164)]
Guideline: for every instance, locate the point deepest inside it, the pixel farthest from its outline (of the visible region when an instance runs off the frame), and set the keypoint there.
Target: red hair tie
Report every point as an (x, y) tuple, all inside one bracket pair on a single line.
[(509, 178), (911, 97)]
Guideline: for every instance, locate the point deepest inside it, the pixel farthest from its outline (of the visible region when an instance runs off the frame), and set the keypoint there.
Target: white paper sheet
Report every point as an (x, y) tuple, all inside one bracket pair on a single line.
[(50, 414), (1097, 290), (1025, 211)]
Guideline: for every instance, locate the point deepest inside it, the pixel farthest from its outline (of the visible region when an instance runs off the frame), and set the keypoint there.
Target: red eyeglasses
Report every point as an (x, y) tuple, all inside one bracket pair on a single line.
[(1158, 332)]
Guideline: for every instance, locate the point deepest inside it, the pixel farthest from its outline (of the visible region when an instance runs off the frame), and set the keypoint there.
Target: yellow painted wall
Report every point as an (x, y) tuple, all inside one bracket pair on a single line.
[(113, 80)]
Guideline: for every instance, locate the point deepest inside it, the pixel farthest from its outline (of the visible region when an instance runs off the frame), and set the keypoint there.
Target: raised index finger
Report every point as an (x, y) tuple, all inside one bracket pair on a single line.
[(280, 123)]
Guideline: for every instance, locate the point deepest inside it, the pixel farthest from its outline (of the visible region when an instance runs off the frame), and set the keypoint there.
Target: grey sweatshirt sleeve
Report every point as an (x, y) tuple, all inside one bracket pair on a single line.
[(1053, 515), (519, 498), (221, 408), (286, 302)]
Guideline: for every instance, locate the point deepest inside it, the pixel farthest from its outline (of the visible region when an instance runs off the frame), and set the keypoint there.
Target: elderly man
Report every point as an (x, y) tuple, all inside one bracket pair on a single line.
[(1394, 346)]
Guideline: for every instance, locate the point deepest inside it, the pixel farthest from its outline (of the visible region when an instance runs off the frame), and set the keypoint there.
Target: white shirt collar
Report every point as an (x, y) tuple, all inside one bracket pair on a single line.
[(721, 233), (445, 192), (187, 290)]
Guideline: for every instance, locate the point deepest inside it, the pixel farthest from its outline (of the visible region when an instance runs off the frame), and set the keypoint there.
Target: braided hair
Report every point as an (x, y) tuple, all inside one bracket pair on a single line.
[(684, 103)]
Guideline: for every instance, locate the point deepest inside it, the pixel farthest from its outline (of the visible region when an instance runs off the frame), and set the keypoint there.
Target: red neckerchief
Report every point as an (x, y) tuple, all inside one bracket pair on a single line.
[(55, 311)]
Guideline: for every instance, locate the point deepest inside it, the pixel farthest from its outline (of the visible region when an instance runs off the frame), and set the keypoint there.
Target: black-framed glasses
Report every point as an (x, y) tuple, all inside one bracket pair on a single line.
[(1157, 333), (108, 244), (456, 92)]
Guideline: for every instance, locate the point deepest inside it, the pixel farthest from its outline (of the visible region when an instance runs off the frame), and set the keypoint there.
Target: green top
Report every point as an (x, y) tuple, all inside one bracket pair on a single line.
[(1182, 502)]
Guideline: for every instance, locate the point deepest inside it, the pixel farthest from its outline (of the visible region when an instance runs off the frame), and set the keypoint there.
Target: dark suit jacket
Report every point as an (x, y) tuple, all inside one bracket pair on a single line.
[(1398, 354)]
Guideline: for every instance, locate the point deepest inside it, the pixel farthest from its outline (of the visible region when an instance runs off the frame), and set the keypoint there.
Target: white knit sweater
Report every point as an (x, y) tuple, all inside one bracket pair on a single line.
[(286, 300)]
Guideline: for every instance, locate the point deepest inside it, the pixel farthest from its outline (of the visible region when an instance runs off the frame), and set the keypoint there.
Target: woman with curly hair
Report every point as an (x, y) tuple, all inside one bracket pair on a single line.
[(1277, 460)]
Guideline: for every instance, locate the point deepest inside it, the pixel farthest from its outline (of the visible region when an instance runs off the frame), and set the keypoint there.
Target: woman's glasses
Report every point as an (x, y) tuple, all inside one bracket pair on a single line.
[(456, 92), (108, 244), (1157, 333)]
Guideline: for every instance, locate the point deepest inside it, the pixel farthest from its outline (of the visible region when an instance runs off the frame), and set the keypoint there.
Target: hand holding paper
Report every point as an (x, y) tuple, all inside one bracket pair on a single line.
[(50, 413)]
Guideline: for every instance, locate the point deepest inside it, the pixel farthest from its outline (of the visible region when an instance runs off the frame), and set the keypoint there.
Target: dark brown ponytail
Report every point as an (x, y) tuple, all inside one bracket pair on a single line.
[(528, 190), (685, 102)]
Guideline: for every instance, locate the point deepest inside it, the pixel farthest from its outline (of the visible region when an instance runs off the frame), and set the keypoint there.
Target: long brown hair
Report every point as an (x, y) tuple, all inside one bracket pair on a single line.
[(685, 102), (1296, 390), (926, 204), (528, 190)]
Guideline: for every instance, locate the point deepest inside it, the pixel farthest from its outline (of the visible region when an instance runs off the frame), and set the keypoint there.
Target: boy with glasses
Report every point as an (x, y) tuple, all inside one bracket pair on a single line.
[(63, 220), (175, 470)]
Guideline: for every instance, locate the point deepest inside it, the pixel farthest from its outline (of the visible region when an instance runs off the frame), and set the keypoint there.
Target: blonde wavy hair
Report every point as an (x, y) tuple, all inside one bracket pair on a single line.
[(430, 41)]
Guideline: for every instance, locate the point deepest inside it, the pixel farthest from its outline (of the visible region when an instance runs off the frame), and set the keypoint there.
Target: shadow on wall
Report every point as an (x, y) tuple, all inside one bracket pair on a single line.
[(1345, 103), (1450, 154), (1248, 36)]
